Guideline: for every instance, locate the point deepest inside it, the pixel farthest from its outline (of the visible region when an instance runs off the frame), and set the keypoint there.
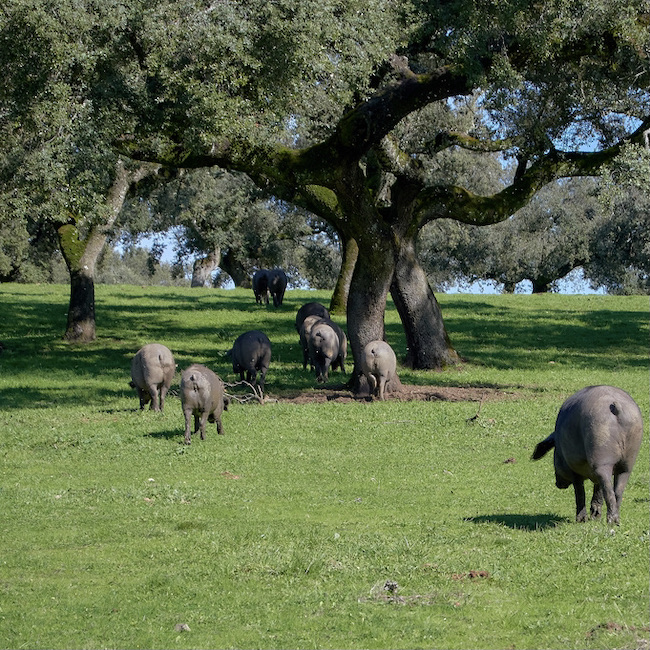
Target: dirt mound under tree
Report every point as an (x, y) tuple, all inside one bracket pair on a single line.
[(408, 393)]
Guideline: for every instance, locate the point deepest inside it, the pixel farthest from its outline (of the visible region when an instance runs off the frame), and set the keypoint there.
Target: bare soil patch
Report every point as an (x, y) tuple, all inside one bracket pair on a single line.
[(407, 393)]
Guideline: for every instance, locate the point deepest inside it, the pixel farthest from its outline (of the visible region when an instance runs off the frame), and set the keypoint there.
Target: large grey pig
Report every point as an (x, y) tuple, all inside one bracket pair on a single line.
[(327, 348), (305, 332), (310, 309), (379, 364), (251, 353), (202, 396), (277, 280), (152, 373), (597, 433), (261, 286)]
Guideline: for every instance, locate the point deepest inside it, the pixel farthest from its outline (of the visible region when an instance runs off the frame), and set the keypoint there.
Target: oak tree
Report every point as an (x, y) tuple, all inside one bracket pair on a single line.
[(550, 76)]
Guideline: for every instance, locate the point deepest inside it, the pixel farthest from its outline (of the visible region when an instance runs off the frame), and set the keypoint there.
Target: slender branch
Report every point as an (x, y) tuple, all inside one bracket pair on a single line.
[(256, 394)]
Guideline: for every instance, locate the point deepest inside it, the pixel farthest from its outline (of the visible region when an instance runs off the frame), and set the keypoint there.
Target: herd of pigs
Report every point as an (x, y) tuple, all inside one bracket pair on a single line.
[(597, 434)]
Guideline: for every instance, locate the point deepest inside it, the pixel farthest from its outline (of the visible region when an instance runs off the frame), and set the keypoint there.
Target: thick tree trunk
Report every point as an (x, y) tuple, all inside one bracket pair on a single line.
[(203, 268), (81, 266), (366, 306), (339, 301), (427, 342), (81, 254), (81, 311)]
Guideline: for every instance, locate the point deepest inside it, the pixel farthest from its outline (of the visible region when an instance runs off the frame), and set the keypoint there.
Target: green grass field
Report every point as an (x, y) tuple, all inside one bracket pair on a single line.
[(286, 531)]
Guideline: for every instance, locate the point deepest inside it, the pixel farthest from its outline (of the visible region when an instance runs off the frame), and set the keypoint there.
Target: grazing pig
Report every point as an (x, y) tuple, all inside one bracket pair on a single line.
[(327, 348), (202, 396), (277, 279), (379, 364), (310, 309), (597, 433), (251, 353), (152, 372), (260, 286), (305, 331)]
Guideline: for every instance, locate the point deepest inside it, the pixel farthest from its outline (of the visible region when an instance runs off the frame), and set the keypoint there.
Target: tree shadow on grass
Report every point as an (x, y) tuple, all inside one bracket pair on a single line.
[(521, 522), (167, 435)]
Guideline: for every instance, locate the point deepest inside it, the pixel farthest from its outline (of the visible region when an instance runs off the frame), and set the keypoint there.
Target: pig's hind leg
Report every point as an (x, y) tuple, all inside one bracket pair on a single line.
[(604, 477)]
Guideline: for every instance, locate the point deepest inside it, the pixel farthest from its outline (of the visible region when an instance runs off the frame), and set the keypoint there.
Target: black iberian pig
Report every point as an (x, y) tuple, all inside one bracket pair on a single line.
[(261, 286), (328, 348), (277, 285), (152, 373), (251, 353), (379, 364), (310, 309), (597, 434), (305, 332), (202, 396)]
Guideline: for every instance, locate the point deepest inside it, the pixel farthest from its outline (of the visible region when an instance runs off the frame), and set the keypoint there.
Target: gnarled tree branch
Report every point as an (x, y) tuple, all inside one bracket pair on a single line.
[(458, 203)]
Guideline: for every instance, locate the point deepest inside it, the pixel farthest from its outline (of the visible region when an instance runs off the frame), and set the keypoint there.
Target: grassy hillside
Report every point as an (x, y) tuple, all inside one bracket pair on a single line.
[(325, 525)]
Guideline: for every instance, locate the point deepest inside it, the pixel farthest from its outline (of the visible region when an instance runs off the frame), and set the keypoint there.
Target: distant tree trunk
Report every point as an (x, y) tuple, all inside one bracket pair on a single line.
[(81, 311), (541, 285), (339, 301), (427, 342), (203, 268), (81, 254), (240, 275)]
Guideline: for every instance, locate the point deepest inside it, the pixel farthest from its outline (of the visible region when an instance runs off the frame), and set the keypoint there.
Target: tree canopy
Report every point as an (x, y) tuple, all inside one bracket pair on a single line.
[(352, 109)]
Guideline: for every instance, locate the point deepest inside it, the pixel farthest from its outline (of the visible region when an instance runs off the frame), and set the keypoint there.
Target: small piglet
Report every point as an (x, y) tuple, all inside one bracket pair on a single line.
[(597, 433), (379, 364), (251, 353), (152, 372), (202, 396)]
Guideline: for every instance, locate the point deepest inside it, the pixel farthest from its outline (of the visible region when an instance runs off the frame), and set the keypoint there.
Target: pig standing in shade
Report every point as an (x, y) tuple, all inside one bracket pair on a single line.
[(277, 280), (251, 353), (379, 364), (597, 433), (327, 348), (305, 332), (310, 309), (202, 396), (152, 373), (261, 286)]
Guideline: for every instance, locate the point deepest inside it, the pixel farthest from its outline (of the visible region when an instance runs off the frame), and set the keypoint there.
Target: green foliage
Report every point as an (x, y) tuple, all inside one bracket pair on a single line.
[(285, 531), (136, 266), (570, 224), (211, 209), (620, 257)]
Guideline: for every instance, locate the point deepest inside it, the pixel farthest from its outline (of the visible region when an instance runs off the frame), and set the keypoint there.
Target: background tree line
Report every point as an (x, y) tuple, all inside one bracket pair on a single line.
[(222, 228)]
